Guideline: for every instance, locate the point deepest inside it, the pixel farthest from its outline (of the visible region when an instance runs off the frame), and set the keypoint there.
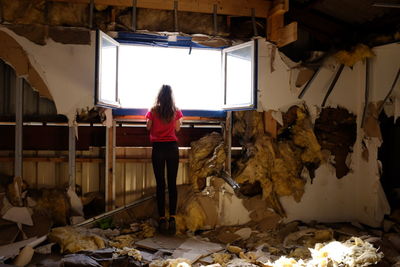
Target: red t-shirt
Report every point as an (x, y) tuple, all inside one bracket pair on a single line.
[(161, 131)]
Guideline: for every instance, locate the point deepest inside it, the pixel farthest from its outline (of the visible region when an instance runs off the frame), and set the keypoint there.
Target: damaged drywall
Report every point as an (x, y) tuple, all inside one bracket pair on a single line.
[(14, 54), (336, 131), (70, 87), (326, 193)]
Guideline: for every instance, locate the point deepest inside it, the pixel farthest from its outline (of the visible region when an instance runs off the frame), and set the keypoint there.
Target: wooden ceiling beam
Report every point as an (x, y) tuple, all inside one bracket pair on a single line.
[(224, 7)]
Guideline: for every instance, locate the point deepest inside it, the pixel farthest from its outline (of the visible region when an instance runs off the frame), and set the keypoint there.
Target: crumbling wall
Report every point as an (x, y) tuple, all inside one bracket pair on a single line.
[(276, 165), (336, 131), (70, 87)]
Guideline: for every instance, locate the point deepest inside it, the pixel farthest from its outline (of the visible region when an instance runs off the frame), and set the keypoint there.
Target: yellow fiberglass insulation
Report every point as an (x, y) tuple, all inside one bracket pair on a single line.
[(276, 164), (206, 158), (358, 53), (75, 239), (257, 164)]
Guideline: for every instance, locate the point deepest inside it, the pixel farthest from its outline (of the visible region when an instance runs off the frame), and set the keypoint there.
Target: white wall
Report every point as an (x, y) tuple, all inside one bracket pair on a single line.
[(358, 196), (67, 70)]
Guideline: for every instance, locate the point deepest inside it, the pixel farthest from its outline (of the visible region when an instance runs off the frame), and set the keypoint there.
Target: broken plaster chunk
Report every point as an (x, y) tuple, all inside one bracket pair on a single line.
[(24, 257), (19, 215)]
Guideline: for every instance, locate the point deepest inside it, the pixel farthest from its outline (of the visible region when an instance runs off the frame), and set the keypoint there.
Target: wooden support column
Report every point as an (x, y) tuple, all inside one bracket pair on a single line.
[(228, 141), (19, 109), (110, 166), (71, 156)]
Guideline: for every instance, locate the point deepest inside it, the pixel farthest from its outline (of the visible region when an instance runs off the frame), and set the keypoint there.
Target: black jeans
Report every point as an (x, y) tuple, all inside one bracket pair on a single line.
[(166, 154)]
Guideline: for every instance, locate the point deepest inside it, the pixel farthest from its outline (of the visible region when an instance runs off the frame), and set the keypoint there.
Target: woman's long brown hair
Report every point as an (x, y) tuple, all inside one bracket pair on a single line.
[(164, 105)]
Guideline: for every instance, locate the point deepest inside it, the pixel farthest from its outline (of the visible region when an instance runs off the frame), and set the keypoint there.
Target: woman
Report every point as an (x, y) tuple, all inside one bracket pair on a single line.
[(163, 121)]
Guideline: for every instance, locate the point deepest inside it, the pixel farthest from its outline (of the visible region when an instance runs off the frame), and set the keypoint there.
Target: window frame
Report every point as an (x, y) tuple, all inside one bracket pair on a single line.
[(178, 42), (254, 72)]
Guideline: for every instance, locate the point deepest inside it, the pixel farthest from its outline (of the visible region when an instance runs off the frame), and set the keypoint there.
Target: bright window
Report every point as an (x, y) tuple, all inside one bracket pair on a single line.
[(195, 78)]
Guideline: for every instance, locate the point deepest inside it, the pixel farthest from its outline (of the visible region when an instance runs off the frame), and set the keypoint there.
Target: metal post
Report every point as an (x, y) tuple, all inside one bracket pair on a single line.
[(71, 156), (228, 141), (110, 166), (176, 16), (366, 94), (134, 15), (18, 126)]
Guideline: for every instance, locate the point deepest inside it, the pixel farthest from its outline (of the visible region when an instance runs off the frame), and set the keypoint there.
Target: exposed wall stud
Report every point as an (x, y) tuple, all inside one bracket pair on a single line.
[(134, 14), (71, 156), (176, 27)]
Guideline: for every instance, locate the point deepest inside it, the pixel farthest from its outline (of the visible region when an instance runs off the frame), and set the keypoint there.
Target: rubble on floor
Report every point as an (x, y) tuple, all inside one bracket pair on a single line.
[(291, 244)]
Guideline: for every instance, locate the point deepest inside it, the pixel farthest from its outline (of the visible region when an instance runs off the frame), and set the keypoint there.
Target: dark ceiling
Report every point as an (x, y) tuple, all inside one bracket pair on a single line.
[(331, 25)]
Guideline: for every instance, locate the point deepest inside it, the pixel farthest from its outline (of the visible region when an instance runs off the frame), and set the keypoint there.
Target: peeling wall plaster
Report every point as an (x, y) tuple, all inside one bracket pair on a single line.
[(68, 71), (359, 195)]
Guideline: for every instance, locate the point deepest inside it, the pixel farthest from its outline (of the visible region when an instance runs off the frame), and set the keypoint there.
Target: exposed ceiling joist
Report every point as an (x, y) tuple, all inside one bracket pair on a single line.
[(224, 7)]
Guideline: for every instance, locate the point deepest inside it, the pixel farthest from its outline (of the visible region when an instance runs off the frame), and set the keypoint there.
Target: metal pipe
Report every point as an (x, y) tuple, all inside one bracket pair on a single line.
[(310, 81), (71, 156), (112, 212), (335, 79), (19, 83), (366, 94), (389, 93)]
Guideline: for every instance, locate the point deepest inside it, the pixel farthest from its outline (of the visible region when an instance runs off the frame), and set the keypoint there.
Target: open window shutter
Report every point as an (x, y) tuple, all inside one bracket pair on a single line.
[(106, 83), (239, 65)]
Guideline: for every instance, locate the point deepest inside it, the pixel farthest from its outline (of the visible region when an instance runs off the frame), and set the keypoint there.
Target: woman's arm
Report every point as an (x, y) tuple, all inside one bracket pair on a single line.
[(149, 123), (178, 124)]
